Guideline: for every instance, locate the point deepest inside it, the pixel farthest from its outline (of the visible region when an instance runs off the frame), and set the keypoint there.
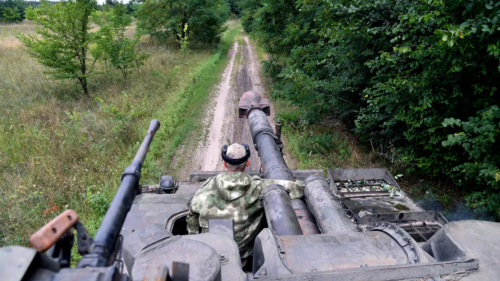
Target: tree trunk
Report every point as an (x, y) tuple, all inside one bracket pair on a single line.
[(124, 73), (83, 65), (83, 82)]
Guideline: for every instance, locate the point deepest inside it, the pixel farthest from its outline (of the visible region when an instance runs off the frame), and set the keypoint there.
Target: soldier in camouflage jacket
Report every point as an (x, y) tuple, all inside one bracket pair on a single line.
[(231, 195)]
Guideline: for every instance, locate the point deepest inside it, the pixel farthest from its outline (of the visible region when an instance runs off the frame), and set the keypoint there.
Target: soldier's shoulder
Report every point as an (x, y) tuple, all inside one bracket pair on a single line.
[(207, 188)]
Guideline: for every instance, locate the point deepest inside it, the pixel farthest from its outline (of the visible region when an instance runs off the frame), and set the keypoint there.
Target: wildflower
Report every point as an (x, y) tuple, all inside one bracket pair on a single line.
[(366, 96)]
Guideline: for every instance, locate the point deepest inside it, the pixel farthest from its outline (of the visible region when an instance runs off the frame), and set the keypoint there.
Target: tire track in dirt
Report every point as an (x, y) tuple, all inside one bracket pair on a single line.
[(202, 152), (216, 132), (245, 77)]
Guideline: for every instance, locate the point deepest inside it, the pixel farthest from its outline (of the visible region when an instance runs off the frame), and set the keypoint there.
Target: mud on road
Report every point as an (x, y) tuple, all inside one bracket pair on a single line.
[(221, 122)]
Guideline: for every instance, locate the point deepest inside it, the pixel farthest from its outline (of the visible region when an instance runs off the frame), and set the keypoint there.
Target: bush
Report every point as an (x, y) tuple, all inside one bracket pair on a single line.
[(112, 45), (402, 71), (167, 19), (30, 13)]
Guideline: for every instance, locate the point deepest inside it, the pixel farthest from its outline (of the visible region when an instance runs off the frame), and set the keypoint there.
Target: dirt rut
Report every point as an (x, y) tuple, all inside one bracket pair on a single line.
[(221, 121)]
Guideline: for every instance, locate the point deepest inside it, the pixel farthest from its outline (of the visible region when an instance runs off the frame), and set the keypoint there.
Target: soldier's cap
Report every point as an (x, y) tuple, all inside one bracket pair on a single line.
[(235, 154)]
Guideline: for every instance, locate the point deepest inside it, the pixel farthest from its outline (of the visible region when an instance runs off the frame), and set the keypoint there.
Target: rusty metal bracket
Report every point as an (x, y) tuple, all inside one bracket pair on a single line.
[(250, 100)]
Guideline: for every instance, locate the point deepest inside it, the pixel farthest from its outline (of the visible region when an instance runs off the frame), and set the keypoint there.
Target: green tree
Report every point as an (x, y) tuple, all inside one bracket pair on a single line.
[(30, 13), (62, 43), (11, 14), (248, 12), (167, 18), (12, 10), (395, 71), (233, 7), (113, 45)]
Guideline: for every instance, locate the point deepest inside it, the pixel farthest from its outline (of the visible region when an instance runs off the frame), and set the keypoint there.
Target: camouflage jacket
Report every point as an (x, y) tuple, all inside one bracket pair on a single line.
[(229, 196)]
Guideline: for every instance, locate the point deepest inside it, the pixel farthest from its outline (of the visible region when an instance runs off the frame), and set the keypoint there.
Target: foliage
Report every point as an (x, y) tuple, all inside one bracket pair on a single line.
[(11, 14), (112, 45), (233, 7), (248, 13), (167, 18), (12, 10), (398, 70), (320, 143), (183, 42), (31, 13), (62, 43), (477, 138), (132, 7), (98, 201), (121, 117)]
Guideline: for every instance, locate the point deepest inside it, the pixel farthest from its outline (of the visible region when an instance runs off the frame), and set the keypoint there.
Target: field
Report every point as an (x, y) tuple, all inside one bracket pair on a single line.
[(59, 149)]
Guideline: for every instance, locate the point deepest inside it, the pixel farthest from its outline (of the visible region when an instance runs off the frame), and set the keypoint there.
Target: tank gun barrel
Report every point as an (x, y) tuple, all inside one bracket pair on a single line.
[(256, 109), (278, 206), (109, 230)]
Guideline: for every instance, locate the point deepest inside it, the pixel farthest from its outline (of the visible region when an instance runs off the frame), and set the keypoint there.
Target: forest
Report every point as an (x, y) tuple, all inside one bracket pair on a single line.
[(415, 81)]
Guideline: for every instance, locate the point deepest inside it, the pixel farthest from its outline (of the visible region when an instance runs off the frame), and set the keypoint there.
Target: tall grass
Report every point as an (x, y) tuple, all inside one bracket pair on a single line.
[(59, 150), (327, 145)]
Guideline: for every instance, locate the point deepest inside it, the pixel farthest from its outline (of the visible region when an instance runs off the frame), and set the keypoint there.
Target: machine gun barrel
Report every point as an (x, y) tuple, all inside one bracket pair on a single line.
[(109, 230)]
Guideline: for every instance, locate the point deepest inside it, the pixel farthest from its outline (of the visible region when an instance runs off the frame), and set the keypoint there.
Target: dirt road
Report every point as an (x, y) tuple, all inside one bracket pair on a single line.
[(202, 153)]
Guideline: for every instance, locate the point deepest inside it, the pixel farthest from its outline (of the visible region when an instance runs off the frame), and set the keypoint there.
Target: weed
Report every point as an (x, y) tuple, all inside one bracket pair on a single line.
[(98, 201)]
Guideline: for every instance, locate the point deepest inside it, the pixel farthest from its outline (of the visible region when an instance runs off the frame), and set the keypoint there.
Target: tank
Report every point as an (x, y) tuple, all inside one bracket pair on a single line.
[(346, 224)]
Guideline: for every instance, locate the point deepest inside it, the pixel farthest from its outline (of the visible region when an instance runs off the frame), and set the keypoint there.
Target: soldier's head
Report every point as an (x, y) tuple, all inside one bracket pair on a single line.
[(236, 157)]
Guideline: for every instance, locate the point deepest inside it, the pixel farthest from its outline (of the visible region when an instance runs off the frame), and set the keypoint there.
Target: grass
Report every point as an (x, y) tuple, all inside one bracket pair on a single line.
[(60, 150)]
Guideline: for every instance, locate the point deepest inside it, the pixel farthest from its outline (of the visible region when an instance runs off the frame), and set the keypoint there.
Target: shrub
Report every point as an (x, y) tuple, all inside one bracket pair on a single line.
[(112, 45), (165, 19)]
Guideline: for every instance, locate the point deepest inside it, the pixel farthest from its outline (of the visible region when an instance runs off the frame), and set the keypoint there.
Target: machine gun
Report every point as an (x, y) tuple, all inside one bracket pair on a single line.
[(345, 226)]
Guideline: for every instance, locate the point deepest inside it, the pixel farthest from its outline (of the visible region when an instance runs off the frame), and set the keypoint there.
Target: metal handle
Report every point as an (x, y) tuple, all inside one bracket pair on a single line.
[(48, 235)]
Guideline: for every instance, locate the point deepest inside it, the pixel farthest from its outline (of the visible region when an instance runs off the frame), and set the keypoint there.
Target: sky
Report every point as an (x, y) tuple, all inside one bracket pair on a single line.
[(100, 2)]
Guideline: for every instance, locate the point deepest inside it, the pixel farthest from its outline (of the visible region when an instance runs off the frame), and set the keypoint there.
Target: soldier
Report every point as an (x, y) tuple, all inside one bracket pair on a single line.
[(231, 195)]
